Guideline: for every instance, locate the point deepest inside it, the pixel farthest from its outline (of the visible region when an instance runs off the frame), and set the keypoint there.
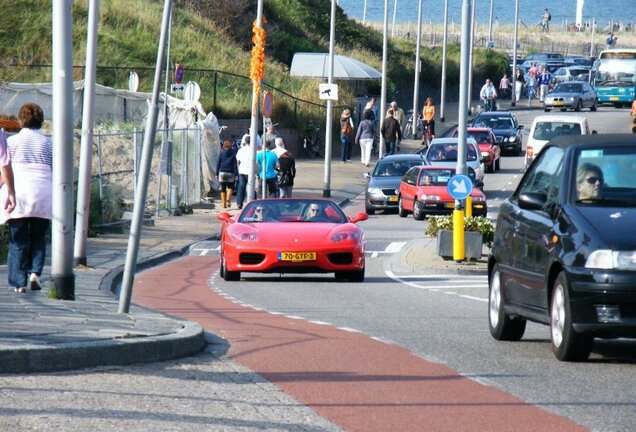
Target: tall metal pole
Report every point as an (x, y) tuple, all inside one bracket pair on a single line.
[(251, 178), (86, 145), (592, 40), (416, 87), (442, 110), (470, 55), (514, 56), (383, 90), (395, 2), (364, 13), (144, 171), (492, 6), (62, 278), (326, 190)]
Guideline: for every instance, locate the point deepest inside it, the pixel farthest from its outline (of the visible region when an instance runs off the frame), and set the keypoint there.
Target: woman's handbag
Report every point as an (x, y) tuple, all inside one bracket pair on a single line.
[(283, 178)]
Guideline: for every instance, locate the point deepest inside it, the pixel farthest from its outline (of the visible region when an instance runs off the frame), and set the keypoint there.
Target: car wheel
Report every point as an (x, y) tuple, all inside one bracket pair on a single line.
[(519, 150), (222, 266), (418, 211), (594, 105), (579, 105), (502, 327), (403, 213), (369, 210), (546, 109), (564, 109), (229, 276), (498, 164), (567, 344)]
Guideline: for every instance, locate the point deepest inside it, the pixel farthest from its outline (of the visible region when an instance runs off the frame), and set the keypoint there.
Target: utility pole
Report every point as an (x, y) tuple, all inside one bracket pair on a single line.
[(326, 190), (144, 172), (514, 56), (383, 91), (251, 178), (86, 145), (444, 45), (471, 41), (416, 87), (62, 277)]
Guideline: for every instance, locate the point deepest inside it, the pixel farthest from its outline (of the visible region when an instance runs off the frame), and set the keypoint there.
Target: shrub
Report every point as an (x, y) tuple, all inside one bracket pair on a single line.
[(477, 223)]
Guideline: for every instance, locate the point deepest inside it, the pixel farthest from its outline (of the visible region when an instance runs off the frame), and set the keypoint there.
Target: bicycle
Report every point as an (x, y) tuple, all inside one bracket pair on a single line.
[(407, 129), (427, 136), (488, 104), (311, 141)]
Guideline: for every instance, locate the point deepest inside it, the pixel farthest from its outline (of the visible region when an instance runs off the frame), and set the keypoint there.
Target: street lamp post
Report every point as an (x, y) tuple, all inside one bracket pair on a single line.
[(492, 5), (442, 110), (416, 86), (514, 56), (326, 191), (383, 91), (395, 2), (471, 49)]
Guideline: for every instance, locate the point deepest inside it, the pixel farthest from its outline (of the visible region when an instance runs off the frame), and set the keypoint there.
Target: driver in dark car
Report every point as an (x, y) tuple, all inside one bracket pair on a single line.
[(589, 181)]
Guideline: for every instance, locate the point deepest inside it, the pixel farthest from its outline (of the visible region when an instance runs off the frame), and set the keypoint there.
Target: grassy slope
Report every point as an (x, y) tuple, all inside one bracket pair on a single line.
[(129, 30)]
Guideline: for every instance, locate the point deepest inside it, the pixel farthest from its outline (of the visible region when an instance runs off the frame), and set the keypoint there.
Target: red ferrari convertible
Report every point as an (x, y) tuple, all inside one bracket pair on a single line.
[(424, 190), (292, 236)]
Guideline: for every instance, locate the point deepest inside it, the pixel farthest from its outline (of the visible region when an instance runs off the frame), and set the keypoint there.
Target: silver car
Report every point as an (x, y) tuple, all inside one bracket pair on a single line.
[(574, 95), (443, 152)]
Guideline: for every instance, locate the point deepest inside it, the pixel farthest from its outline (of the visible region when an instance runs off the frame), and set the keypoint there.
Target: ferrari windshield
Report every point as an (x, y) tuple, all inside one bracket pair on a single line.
[(292, 210)]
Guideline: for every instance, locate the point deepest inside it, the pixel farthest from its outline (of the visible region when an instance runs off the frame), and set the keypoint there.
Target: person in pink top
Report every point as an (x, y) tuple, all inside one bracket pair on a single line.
[(31, 160)]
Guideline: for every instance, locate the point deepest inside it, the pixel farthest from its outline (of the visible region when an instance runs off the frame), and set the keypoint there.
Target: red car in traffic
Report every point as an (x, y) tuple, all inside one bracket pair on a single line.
[(488, 147), (292, 236), (424, 191)]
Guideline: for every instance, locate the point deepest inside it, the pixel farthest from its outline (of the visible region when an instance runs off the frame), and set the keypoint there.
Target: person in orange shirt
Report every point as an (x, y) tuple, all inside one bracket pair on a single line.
[(428, 117)]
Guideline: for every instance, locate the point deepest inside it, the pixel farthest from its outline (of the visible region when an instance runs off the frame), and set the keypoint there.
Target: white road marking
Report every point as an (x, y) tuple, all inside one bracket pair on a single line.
[(391, 248), (448, 284)]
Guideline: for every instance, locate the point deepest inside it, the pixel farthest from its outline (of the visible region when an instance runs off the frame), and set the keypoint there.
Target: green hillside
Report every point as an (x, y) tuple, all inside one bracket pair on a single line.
[(215, 35)]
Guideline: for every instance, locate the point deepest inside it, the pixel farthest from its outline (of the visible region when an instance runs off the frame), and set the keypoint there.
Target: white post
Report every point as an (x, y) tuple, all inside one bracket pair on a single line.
[(326, 190), (383, 91), (416, 88), (442, 110), (251, 178), (395, 2)]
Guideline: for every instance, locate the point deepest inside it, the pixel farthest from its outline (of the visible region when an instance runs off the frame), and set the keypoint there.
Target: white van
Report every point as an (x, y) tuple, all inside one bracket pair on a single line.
[(546, 127)]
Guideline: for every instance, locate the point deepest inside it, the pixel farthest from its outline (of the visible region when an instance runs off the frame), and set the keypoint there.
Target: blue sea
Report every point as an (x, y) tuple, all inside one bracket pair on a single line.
[(530, 11)]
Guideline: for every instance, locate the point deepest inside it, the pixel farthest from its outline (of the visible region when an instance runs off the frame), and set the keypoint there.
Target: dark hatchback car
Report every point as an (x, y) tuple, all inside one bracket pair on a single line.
[(505, 127), (384, 181), (564, 251)]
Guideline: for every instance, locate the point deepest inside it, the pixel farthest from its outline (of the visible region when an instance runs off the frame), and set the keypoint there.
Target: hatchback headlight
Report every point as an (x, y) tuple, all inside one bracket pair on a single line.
[(375, 191), (429, 198), (512, 138), (611, 260), (485, 154)]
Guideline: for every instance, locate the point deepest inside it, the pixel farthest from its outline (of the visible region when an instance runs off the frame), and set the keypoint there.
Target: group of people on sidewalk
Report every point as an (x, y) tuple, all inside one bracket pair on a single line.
[(275, 168), (536, 83), (369, 129)]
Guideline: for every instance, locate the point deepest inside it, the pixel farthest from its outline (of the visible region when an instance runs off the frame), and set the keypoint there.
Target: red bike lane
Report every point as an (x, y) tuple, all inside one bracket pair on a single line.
[(354, 381)]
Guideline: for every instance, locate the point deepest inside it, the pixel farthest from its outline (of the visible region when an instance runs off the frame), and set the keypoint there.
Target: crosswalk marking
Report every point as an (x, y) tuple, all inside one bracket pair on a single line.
[(391, 248)]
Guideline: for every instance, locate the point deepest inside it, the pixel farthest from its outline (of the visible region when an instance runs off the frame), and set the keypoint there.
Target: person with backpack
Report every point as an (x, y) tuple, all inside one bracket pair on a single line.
[(346, 136), (546, 18)]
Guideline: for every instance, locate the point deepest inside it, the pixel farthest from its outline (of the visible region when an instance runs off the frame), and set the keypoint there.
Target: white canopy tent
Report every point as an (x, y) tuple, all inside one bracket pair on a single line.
[(316, 65)]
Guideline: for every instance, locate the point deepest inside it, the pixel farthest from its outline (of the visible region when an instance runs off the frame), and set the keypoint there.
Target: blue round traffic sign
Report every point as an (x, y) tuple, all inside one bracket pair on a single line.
[(459, 186), (178, 74)]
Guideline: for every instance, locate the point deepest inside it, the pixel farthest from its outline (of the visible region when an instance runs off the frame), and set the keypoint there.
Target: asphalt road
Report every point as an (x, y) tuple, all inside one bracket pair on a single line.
[(445, 319)]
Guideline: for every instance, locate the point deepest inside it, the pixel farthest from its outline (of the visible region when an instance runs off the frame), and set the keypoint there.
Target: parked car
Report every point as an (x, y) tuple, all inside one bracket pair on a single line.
[(561, 254), (574, 95), (488, 147), (568, 73), (504, 125), (289, 235), (578, 61), (424, 191), (443, 152), (384, 181), (549, 126), (551, 60)]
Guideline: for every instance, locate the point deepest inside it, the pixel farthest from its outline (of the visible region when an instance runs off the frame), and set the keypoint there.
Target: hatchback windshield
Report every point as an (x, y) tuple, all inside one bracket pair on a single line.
[(448, 152), (605, 176), (394, 168), (547, 130)]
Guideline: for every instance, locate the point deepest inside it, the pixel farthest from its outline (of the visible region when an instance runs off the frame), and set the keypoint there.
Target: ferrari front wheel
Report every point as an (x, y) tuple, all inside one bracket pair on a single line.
[(229, 276)]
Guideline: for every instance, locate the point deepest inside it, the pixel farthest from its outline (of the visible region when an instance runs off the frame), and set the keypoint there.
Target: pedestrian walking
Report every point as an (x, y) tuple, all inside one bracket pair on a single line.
[(391, 132), (244, 163), (279, 147), (398, 114), (270, 137), (227, 171), (546, 17), (504, 87), (268, 159), (364, 137), (346, 136), (31, 156), (531, 84), (520, 81), (286, 174), (544, 83)]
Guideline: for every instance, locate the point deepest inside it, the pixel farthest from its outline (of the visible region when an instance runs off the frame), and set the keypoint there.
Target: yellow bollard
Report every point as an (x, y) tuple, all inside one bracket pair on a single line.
[(469, 206), (458, 235)]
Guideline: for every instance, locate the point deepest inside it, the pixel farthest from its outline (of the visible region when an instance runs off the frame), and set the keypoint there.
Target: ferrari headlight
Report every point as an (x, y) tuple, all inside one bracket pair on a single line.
[(608, 259), (345, 236), (245, 236)]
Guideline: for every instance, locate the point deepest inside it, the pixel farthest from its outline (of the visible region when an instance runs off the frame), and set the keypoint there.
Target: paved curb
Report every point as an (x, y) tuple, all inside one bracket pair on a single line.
[(188, 341)]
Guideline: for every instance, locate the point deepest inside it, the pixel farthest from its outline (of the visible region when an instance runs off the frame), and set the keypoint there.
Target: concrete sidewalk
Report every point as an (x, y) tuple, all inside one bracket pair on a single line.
[(41, 334)]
